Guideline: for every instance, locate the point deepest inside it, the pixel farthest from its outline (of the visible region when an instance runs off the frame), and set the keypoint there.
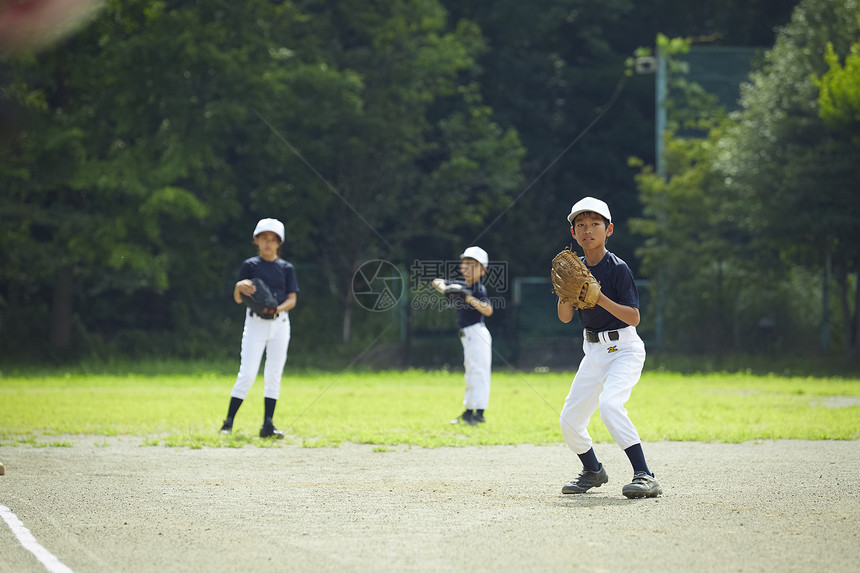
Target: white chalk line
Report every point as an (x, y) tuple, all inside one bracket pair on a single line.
[(30, 544)]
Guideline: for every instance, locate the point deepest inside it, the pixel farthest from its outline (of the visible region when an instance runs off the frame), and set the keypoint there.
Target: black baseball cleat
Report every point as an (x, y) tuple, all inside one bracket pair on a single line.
[(270, 431), (227, 426), (643, 485), (467, 417), (586, 480), (478, 418)]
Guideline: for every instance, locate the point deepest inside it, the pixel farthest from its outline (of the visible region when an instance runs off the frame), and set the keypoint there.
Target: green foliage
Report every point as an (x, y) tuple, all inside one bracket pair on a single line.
[(777, 154), (769, 364), (694, 254), (156, 136), (669, 47), (794, 177), (750, 193), (420, 149), (722, 292), (413, 407), (839, 91), (552, 67)]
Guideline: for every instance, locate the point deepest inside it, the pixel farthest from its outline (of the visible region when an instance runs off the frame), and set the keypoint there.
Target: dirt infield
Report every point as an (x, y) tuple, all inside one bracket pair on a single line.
[(107, 505)]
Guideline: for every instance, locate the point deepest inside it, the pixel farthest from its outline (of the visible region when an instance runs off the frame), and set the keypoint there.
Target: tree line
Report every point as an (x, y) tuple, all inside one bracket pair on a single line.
[(154, 138), (753, 225)]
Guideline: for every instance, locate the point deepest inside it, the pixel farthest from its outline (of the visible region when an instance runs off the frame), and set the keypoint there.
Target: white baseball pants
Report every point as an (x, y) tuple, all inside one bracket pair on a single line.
[(271, 336), (605, 379), (478, 360)]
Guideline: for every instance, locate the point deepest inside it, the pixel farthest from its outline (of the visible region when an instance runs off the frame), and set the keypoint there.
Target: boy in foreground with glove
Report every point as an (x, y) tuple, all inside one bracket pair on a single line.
[(473, 304), (614, 353)]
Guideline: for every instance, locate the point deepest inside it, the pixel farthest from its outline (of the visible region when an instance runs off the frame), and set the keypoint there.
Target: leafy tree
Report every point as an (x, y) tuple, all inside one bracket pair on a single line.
[(721, 289), (548, 69), (138, 108), (163, 131), (157, 136), (551, 68), (688, 239), (793, 177), (839, 92), (134, 162), (839, 109), (418, 154)]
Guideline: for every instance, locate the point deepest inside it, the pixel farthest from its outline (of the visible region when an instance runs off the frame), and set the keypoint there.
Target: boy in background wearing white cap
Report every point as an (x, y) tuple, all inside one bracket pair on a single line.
[(269, 334), (613, 361), (473, 304)]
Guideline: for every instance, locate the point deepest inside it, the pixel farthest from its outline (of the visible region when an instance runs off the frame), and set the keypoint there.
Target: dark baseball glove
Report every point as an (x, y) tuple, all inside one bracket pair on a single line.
[(456, 290), (572, 282), (262, 302)]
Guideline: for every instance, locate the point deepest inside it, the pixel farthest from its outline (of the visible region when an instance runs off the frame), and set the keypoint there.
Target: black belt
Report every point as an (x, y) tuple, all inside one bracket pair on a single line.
[(594, 336)]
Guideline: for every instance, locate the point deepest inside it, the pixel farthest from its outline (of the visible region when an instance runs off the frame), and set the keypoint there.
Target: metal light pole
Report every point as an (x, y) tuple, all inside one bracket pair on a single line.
[(660, 111), (825, 303), (660, 114), (657, 65)]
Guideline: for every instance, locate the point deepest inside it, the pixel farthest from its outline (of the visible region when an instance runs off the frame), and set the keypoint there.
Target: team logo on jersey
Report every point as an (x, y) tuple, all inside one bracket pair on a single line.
[(612, 349)]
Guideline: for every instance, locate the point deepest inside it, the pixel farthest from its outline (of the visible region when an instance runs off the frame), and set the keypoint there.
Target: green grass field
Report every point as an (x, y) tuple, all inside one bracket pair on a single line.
[(413, 407)]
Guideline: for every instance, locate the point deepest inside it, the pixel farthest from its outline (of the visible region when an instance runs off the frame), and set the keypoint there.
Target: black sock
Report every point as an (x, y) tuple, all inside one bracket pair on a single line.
[(234, 407), (637, 459), (589, 461), (479, 412), (269, 407)]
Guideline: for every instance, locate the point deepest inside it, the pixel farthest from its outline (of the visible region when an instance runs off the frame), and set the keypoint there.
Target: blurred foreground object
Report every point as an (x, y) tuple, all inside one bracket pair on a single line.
[(30, 26), (37, 24)]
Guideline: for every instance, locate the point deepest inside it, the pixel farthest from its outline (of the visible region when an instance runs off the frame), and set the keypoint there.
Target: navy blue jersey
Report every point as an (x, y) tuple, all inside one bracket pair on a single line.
[(278, 274), (466, 313), (616, 282)]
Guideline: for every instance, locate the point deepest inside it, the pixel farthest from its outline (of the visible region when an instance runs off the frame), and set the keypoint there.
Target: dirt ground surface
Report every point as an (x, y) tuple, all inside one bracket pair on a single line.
[(113, 504)]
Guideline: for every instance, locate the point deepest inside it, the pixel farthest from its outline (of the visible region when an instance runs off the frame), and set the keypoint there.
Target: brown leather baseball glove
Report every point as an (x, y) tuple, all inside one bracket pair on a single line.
[(572, 282)]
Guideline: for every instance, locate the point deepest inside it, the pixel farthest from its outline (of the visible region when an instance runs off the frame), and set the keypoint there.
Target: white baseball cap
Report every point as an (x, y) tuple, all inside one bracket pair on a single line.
[(478, 254), (589, 204), (272, 225)]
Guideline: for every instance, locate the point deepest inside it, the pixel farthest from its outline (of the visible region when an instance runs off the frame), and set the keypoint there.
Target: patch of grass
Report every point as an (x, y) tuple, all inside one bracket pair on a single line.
[(786, 364), (321, 409)]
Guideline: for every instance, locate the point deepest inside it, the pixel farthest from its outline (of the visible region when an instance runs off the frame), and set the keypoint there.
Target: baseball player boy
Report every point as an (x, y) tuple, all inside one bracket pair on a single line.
[(613, 361), (473, 304), (269, 334)]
